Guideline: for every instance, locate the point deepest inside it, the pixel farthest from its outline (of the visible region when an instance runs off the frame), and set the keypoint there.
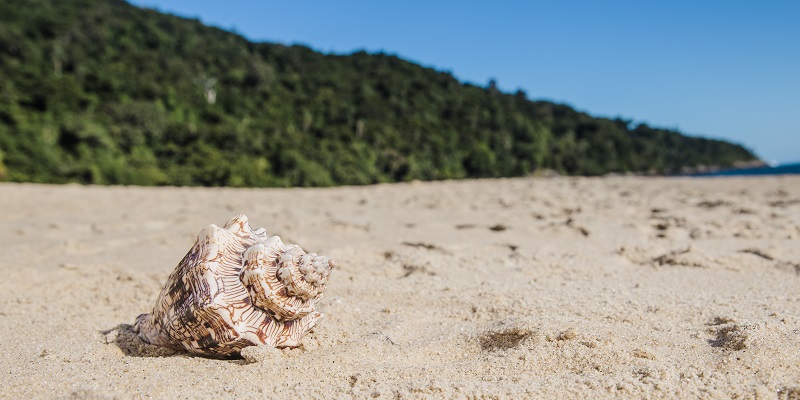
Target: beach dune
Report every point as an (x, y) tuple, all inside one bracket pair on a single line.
[(624, 287)]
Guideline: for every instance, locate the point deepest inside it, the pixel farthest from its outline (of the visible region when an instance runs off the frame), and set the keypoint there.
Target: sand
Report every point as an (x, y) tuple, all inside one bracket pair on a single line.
[(540, 288)]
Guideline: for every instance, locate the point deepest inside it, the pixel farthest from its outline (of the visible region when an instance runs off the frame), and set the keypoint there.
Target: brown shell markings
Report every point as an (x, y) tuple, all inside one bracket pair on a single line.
[(235, 288)]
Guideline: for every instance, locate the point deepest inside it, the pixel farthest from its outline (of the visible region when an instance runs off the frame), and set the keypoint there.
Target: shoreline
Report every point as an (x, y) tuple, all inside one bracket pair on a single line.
[(623, 287)]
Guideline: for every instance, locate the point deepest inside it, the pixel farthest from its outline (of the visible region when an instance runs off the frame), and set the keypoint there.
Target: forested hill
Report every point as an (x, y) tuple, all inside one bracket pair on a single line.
[(99, 91)]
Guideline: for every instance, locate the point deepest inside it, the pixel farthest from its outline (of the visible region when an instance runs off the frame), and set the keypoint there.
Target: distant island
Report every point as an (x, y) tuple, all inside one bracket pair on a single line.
[(754, 169), (102, 92)]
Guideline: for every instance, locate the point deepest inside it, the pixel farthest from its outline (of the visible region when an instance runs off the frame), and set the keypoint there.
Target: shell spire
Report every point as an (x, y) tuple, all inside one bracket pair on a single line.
[(237, 287), (283, 279)]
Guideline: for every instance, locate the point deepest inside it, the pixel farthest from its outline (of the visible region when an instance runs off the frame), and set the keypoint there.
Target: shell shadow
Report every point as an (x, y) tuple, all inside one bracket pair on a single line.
[(131, 345), (128, 341)]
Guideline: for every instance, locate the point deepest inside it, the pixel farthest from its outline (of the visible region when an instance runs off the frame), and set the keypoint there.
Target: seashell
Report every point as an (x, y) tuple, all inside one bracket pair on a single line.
[(237, 287)]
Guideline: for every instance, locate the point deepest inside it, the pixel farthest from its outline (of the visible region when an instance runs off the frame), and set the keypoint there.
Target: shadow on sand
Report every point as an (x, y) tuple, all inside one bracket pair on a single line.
[(131, 345), (128, 341)]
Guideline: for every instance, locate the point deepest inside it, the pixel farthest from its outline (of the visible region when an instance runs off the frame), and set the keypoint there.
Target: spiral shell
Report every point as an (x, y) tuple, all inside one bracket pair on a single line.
[(284, 280), (237, 287)]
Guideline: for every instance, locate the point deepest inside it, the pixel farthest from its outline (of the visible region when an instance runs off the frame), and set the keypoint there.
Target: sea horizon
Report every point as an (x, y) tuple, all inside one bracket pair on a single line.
[(778, 169)]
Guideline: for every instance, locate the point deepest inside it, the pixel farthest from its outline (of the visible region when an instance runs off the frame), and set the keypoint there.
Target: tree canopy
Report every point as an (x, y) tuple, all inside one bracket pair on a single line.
[(99, 91)]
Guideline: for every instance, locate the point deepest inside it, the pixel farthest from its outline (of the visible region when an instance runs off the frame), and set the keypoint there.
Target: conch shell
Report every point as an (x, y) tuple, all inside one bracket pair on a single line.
[(237, 287)]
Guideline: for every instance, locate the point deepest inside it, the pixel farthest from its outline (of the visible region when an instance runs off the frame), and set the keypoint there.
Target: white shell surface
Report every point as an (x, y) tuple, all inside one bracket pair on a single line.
[(227, 294)]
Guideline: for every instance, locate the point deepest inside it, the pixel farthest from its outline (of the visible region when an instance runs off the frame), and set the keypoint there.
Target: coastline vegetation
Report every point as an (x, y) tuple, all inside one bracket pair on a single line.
[(102, 92)]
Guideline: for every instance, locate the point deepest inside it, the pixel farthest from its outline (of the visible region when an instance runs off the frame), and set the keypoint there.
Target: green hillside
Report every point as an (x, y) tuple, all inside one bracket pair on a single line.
[(98, 91)]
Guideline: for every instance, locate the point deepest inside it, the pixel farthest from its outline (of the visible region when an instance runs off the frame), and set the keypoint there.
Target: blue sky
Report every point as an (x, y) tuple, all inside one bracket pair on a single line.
[(721, 69)]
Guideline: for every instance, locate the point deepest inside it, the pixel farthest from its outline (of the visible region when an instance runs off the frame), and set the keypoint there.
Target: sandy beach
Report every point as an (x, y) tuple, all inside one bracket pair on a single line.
[(620, 287)]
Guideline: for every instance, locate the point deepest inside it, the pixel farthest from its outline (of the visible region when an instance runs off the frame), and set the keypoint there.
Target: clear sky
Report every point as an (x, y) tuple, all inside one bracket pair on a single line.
[(721, 69)]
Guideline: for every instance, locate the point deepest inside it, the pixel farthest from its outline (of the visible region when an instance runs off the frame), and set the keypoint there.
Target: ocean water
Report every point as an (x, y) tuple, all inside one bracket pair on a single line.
[(782, 169)]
